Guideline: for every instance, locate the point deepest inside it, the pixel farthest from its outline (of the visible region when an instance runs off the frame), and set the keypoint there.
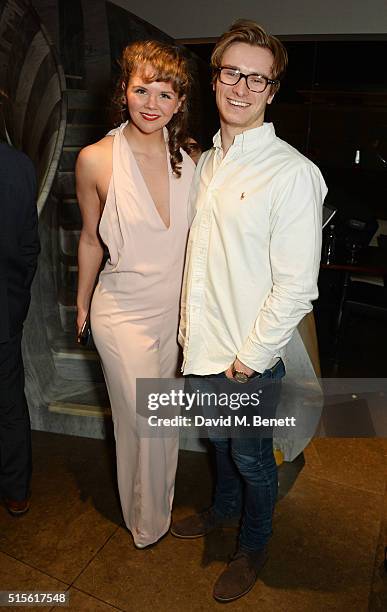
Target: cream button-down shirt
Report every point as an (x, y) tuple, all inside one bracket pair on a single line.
[(253, 252)]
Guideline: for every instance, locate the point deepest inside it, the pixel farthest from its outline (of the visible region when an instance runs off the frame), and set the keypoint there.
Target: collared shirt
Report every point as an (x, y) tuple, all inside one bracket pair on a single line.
[(253, 252)]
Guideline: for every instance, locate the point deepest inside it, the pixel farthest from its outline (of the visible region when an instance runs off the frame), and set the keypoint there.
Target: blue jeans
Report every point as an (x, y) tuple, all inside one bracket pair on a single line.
[(249, 464)]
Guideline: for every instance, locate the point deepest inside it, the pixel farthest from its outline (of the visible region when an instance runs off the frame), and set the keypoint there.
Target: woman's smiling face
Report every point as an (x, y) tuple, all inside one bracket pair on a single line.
[(151, 105)]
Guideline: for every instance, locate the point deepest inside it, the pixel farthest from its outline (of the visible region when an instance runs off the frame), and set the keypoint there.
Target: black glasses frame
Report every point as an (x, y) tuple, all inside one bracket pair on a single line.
[(245, 76)]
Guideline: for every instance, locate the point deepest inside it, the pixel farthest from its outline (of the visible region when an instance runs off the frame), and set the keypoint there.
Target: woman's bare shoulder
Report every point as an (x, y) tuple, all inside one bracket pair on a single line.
[(96, 155)]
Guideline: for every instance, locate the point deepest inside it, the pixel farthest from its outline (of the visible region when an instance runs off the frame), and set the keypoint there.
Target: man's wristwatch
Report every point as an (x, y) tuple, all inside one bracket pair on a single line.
[(239, 376)]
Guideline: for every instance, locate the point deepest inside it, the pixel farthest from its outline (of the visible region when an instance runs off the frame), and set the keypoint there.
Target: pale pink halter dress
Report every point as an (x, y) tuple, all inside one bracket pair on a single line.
[(134, 318)]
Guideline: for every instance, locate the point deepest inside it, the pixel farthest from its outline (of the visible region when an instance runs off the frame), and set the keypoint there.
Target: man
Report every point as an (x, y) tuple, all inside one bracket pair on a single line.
[(251, 273), (19, 248)]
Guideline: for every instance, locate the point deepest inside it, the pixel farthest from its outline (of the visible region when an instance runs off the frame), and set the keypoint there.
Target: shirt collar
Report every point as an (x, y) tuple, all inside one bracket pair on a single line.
[(250, 139)]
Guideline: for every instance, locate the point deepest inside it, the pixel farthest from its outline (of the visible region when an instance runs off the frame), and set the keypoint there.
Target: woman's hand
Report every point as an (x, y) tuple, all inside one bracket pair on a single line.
[(81, 318)]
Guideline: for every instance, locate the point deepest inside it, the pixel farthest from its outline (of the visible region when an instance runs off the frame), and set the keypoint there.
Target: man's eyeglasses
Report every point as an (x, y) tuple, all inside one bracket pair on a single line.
[(255, 82)]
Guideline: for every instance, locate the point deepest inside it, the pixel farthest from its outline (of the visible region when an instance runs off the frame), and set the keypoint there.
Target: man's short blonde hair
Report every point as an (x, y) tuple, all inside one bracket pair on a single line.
[(249, 32)]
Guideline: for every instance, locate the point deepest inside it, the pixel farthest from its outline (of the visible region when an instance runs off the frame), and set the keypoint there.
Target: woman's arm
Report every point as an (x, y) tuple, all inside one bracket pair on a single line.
[(90, 250)]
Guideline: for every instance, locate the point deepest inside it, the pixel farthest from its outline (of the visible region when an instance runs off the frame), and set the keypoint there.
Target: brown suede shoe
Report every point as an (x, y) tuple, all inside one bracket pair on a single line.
[(198, 525), (17, 508), (239, 576)]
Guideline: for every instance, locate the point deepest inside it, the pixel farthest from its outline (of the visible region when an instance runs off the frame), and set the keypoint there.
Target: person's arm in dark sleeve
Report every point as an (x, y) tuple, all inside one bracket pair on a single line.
[(29, 237)]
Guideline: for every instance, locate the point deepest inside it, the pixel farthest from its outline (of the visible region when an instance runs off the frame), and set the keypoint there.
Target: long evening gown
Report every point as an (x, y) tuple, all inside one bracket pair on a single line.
[(134, 319)]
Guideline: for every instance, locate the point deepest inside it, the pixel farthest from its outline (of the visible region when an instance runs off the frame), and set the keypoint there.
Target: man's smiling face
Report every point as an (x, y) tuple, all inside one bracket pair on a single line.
[(239, 108)]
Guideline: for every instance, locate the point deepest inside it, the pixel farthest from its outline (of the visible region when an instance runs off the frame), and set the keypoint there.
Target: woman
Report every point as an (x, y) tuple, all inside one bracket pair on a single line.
[(132, 187)]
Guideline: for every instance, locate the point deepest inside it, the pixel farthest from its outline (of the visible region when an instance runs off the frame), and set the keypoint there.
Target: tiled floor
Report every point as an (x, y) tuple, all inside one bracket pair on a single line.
[(326, 552)]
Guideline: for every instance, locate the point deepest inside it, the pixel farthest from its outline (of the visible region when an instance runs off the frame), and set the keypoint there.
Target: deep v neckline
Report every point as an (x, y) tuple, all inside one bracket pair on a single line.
[(151, 200)]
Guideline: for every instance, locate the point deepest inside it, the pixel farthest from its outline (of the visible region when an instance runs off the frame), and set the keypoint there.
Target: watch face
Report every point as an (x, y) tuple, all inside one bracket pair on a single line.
[(241, 377)]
